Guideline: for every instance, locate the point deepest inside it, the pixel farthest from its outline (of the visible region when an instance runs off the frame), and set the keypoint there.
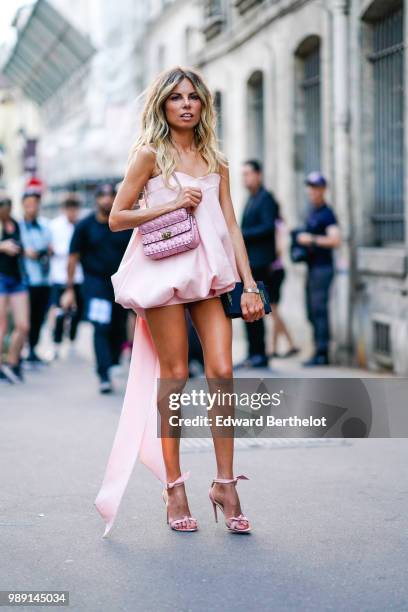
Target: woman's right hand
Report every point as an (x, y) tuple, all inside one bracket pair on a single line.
[(189, 197), (9, 247)]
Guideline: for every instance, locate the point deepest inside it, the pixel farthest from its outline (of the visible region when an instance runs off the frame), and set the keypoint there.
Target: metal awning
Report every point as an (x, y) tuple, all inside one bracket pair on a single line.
[(47, 52)]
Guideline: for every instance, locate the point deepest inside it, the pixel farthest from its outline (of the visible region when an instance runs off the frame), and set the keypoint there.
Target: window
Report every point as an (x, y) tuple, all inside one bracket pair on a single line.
[(387, 58), (382, 345), (382, 338), (213, 8), (307, 115), (312, 109), (161, 55), (255, 108), (214, 18), (244, 5)]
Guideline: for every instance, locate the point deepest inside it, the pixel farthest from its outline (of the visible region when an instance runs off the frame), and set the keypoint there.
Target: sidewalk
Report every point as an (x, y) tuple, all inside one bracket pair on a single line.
[(277, 367), (328, 517)]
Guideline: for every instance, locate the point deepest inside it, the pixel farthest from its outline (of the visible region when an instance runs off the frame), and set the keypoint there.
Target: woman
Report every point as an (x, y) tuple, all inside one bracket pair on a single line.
[(177, 146), (13, 293)]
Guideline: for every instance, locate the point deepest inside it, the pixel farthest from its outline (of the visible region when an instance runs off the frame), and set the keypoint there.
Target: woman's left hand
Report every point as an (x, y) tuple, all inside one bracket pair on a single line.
[(252, 307)]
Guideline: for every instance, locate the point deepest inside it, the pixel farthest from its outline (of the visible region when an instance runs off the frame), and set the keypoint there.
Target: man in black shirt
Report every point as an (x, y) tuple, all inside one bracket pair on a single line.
[(100, 251), (258, 230), (322, 235)]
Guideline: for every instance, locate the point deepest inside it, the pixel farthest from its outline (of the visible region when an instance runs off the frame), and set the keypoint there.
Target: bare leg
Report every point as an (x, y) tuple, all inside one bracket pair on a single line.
[(3, 321), (216, 341), (168, 329), (280, 328), (19, 306), (275, 330)]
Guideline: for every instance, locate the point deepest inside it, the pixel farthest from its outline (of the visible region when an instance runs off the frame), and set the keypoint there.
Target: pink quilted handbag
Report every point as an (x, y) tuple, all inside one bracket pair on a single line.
[(170, 233)]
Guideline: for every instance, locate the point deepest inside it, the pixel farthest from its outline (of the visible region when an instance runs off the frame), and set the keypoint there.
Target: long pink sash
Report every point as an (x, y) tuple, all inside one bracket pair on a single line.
[(136, 435)]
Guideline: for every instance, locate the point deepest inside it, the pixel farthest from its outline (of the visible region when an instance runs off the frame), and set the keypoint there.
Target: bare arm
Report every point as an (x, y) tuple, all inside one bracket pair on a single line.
[(9, 247), (68, 300), (73, 259), (280, 239), (331, 240), (140, 170), (251, 304)]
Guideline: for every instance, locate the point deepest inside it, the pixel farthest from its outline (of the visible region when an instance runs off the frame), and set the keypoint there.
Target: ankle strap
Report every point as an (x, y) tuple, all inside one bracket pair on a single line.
[(179, 480), (227, 481)]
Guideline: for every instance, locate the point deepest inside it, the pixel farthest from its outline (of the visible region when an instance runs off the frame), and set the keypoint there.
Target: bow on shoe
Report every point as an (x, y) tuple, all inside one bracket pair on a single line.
[(176, 522), (179, 480), (228, 480)]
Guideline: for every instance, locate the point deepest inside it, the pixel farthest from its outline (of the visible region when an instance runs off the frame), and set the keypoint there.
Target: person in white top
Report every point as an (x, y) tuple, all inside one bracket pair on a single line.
[(62, 228)]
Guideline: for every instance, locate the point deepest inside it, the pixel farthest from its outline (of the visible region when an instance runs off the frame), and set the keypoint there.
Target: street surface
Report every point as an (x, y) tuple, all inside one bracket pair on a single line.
[(329, 515)]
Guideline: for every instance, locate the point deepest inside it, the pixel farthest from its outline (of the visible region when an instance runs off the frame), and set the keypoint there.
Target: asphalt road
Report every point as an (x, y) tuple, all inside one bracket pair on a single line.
[(329, 520)]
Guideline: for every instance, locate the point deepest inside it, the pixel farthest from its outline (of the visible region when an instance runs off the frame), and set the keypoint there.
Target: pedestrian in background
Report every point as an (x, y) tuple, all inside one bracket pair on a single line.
[(13, 293), (278, 274), (36, 239), (196, 364), (62, 229), (100, 252), (321, 236), (258, 231)]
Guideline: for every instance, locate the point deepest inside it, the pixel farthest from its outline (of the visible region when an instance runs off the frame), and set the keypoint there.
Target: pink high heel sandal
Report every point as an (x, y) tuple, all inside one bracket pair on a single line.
[(232, 521), (175, 524)]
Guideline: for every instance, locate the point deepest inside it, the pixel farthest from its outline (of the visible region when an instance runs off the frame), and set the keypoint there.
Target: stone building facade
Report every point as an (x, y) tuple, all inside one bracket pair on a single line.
[(301, 85), (318, 84)]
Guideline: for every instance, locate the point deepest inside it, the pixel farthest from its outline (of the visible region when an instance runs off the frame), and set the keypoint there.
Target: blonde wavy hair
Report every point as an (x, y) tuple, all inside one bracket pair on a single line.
[(155, 131)]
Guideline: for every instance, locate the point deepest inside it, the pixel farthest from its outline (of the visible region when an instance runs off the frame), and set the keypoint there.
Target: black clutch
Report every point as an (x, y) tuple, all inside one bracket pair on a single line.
[(231, 300)]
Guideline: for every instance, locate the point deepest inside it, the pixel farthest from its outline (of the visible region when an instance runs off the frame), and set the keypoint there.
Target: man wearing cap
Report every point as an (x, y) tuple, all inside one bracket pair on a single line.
[(100, 252), (321, 236)]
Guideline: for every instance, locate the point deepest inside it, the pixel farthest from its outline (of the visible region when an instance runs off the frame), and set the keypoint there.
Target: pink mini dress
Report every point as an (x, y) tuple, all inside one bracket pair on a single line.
[(204, 272)]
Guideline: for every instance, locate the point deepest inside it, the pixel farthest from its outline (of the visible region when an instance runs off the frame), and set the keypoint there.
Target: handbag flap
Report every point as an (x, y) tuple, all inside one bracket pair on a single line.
[(167, 231), (165, 220)]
